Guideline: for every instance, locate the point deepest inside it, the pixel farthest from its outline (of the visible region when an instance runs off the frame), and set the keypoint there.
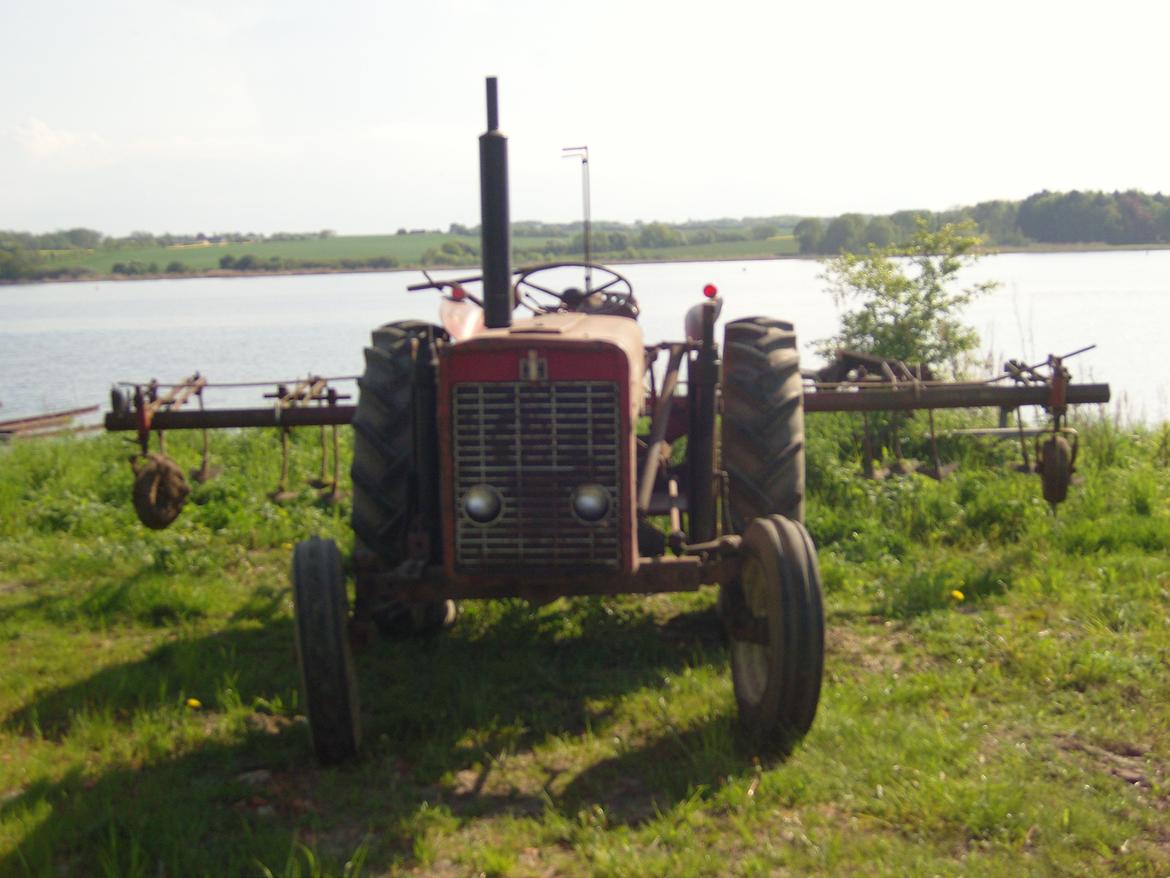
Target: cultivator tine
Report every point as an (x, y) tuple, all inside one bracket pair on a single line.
[(938, 470), (206, 472), (333, 495), (1026, 466), (313, 389), (332, 490), (321, 481), (282, 493)]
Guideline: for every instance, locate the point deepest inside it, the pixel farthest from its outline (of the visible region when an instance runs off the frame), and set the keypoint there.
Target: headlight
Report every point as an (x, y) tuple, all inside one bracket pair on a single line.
[(483, 504), (591, 502)]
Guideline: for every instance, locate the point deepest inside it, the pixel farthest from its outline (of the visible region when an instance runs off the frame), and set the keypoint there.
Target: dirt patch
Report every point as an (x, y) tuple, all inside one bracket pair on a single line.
[(517, 784), (1125, 761), (270, 723), (877, 649)]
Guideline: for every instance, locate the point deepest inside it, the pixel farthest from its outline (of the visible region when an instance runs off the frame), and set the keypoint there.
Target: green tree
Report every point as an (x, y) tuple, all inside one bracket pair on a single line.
[(809, 234), (845, 234), (659, 235), (907, 298), (880, 232), (908, 221), (15, 264)]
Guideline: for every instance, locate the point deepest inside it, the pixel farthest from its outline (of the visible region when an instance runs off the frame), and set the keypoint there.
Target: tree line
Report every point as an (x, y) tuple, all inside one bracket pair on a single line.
[(1118, 218)]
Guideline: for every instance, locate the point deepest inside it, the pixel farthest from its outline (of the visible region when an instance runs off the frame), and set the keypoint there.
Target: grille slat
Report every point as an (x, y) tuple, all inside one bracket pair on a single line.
[(535, 443)]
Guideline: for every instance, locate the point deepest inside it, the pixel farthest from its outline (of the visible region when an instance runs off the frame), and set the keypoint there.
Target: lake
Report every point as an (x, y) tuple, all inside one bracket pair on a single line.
[(62, 345)]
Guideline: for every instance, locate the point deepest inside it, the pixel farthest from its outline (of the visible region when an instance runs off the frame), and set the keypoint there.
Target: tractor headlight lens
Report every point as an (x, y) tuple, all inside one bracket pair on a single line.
[(591, 502), (483, 504)]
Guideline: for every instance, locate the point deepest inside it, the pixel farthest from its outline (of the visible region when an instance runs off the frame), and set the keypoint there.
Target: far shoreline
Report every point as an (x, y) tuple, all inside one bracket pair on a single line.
[(641, 260)]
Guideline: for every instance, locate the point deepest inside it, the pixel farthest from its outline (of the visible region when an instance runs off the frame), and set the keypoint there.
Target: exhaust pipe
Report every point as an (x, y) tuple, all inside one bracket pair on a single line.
[(495, 228)]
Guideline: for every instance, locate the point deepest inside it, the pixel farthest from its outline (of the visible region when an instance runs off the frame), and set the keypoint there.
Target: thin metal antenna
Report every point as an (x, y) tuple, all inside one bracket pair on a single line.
[(582, 152)]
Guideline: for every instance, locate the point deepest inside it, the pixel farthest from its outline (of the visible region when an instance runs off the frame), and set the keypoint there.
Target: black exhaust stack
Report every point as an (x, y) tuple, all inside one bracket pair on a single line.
[(495, 229)]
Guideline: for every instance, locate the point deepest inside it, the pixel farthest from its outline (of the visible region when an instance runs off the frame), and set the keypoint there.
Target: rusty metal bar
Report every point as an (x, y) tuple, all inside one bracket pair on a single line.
[(656, 442), (952, 396), (904, 398), (216, 419)]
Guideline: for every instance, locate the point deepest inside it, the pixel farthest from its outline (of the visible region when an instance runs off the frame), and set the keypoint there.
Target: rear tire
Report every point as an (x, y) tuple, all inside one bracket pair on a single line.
[(327, 676), (763, 421), (385, 481), (777, 672)]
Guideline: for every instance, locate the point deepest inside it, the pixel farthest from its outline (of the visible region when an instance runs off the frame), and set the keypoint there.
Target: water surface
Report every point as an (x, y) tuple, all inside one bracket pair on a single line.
[(62, 345)]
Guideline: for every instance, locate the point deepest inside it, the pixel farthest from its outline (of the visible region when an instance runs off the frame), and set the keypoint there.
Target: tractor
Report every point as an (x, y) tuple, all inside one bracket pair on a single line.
[(530, 445)]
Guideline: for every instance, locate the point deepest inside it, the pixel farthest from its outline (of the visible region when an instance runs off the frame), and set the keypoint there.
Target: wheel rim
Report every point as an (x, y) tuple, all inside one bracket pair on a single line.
[(750, 660)]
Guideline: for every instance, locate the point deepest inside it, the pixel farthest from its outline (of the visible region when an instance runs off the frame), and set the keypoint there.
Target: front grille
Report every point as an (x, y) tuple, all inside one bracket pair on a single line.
[(535, 443)]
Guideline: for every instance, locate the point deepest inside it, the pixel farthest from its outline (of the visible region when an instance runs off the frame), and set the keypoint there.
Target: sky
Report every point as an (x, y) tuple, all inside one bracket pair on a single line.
[(362, 117)]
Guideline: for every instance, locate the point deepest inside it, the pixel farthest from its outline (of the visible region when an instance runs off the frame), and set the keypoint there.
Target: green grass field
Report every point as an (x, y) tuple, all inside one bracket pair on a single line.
[(407, 250), (996, 699)]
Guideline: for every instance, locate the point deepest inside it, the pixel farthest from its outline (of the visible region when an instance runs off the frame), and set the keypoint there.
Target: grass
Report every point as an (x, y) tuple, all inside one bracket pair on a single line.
[(996, 692), (406, 250)]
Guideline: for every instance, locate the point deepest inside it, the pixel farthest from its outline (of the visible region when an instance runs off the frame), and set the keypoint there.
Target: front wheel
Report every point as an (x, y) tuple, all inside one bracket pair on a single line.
[(327, 676), (775, 618)]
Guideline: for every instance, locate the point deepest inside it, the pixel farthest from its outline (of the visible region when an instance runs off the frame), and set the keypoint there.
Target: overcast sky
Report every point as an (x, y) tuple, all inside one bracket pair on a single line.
[(267, 115)]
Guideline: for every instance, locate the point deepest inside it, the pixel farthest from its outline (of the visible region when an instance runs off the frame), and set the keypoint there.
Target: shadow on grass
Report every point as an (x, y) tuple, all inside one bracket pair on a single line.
[(243, 788)]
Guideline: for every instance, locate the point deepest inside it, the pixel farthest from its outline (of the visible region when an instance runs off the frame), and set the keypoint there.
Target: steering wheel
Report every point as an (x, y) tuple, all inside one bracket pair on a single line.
[(614, 295)]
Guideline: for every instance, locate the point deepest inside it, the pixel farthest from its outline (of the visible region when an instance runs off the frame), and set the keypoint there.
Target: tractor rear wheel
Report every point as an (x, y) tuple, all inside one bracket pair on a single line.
[(327, 677), (775, 617), (386, 487), (762, 436)]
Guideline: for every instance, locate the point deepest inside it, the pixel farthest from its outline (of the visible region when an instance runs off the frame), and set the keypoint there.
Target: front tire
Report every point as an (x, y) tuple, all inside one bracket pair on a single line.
[(327, 676), (775, 617)]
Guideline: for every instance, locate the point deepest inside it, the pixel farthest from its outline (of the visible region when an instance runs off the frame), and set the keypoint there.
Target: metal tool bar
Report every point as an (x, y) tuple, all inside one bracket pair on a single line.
[(954, 396), (215, 419), (222, 384), (906, 398)]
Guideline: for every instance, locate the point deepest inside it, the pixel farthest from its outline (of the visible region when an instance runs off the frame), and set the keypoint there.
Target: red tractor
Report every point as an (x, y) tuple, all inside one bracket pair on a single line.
[(498, 457)]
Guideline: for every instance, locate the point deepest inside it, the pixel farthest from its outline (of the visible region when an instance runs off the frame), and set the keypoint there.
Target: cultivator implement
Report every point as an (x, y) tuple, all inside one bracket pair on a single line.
[(151, 409), (864, 384)]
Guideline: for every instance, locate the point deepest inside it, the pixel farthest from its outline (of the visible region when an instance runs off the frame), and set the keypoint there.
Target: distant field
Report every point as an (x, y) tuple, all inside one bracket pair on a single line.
[(784, 245), (407, 250)]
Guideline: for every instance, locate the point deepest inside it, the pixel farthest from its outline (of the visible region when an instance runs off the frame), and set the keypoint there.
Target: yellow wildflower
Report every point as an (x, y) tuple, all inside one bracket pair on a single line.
[(194, 703), (957, 595)]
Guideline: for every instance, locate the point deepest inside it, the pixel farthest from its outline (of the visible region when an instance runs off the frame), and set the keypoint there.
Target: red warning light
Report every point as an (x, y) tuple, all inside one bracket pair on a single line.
[(710, 291), (458, 293)]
